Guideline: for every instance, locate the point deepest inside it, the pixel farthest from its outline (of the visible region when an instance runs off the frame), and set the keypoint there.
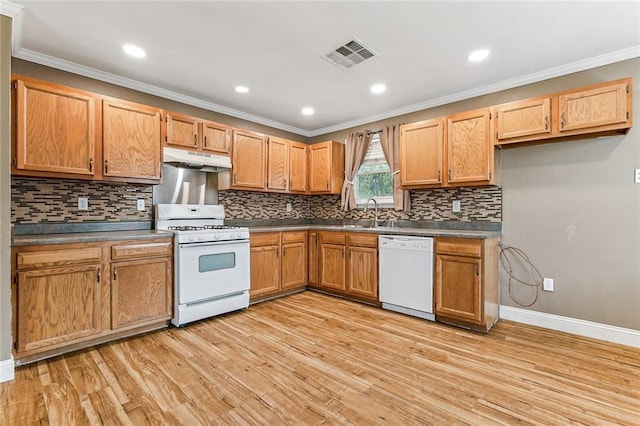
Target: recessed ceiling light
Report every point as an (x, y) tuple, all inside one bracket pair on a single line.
[(478, 55), (378, 88), (135, 51), (308, 111), (242, 89)]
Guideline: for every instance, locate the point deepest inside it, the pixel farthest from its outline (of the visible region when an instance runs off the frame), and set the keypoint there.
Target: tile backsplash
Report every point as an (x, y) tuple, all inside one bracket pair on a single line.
[(476, 205), (56, 201)]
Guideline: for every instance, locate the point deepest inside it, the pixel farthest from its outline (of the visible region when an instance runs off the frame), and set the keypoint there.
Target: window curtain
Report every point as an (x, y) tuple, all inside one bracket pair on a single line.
[(390, 141), (355, 150)]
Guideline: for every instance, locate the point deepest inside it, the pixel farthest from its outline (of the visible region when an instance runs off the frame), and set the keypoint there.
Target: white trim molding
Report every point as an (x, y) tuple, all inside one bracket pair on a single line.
[(7, 370), (9, 9), (609, 333)]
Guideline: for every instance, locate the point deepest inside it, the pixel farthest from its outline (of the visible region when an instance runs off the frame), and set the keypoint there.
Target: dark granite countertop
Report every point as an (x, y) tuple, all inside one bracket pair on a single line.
[(386, 230)]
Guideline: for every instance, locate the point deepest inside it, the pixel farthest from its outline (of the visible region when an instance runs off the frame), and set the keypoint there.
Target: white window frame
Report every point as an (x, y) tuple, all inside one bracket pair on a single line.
[(384, 201)]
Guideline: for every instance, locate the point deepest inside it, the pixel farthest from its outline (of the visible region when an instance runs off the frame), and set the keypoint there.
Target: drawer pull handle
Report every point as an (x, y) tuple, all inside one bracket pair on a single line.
[(115, 273)]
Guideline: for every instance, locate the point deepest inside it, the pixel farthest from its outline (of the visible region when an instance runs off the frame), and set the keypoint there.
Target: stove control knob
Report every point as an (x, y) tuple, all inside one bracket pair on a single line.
[(199, 237), (191, 237)]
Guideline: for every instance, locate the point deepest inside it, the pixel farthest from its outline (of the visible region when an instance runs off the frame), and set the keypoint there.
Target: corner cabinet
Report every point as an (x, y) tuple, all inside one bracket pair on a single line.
[(466, 282), (326, 167), (56, 131), (278, 263), (71, 296), (602, 109)]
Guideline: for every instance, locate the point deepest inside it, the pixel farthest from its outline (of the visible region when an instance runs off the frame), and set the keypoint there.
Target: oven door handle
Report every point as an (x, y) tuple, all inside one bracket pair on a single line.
[(212, 243)]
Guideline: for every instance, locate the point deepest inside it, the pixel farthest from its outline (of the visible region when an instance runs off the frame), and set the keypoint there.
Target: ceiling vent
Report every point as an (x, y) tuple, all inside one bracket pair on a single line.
[(350, 54)]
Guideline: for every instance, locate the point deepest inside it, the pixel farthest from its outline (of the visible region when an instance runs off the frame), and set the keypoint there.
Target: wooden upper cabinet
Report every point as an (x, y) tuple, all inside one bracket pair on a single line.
[(298, 167), (469, 148), (182, 131), (55, 130), (215, 137), (131, 141), (597, 106), (249, 160), (326, 167), (278, 164), (523, 119), (421, 153)]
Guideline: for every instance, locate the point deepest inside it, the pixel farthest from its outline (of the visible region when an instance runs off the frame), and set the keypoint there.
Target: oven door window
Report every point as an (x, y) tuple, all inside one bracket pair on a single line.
[(216, 262)]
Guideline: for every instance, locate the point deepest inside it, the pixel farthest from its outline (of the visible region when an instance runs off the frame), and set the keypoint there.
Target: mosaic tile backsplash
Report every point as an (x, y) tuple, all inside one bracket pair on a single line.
[(56, 201), (476, 205)]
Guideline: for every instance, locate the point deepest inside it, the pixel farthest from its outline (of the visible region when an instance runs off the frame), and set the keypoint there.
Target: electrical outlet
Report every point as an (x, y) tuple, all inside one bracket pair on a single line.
[(288, 207), (547, 284), (140, 204), (83, 203), (637, 176), (456, 206)]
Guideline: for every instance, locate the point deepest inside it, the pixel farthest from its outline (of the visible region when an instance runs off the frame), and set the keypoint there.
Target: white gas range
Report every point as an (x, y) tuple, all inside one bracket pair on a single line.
[(212, 274)]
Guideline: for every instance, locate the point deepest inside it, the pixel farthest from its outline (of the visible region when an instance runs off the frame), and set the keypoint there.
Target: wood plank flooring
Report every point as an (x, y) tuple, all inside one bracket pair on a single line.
[(313, 359)]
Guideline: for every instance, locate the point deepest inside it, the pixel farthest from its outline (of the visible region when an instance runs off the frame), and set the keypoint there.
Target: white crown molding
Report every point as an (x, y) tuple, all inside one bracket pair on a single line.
[(7, 370), (72, 67), (609, 333), (606, 59), (596, 61), (9, 9)]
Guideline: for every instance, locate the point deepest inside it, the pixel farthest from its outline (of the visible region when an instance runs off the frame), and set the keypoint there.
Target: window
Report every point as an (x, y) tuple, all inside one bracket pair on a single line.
[(374, 179)]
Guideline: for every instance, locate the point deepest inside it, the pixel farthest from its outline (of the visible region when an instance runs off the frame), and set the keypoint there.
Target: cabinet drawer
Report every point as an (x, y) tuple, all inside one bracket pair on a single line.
[(333, 238), (363, 240), (459, 246), (45, 258), (134, 251), (294, 237), (264, 239)]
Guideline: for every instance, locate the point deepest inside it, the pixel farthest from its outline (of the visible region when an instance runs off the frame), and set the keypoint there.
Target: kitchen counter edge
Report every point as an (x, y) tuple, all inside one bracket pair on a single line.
[(87, 237), (382, 230)]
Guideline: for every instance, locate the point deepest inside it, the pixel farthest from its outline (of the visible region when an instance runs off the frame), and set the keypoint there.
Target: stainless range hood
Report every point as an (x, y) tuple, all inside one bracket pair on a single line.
[(202, 161)]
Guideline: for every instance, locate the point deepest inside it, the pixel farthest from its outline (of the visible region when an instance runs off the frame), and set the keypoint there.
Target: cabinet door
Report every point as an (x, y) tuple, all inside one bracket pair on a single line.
[(319, 167), (469, 147), (421, 153), (182, 131), (458, 289), (141, 291), (333, 267), (363, 272), (523, 118), (294, 261), (265, 270), (278, 164), (313, 259), (57, 306), (216, 137), (602, 106), (55, 129), (249, 161), (297, 167), (131, 140)]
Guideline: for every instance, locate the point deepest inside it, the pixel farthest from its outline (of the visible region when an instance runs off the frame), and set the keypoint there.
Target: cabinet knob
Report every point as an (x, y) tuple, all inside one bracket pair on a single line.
[(449, 174), (91, 164), (562, 120), (98, 275), (235, 178), (195, 140), (477, 269), (106, 167), (546, 122), (205, 141), (115, 273), (439, 176)]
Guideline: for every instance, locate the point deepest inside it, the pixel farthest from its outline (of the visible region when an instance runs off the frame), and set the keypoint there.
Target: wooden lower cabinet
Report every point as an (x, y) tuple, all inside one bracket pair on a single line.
[(141, 276), (278, 263), (466, 282), (348, 265), (70, 296)]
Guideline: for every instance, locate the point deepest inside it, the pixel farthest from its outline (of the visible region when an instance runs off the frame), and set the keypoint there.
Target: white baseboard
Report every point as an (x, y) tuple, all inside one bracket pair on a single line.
[(7, 370), (609, 333)]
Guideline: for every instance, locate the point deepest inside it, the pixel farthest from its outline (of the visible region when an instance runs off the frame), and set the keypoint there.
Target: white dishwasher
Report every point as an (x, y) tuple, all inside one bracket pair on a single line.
[(406, 274)]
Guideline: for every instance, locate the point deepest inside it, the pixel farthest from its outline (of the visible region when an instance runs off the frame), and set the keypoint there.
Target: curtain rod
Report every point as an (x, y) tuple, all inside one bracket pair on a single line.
[(373, 133)]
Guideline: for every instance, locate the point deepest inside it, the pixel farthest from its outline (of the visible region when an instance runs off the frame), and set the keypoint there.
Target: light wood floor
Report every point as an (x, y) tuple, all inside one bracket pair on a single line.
[(313, 359)]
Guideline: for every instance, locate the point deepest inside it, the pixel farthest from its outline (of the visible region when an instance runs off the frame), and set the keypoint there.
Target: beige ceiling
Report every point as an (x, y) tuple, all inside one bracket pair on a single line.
[(197, 52)]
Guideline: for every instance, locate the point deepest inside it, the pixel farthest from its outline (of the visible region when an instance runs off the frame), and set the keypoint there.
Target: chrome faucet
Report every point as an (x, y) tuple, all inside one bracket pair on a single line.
[(375, 206)]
